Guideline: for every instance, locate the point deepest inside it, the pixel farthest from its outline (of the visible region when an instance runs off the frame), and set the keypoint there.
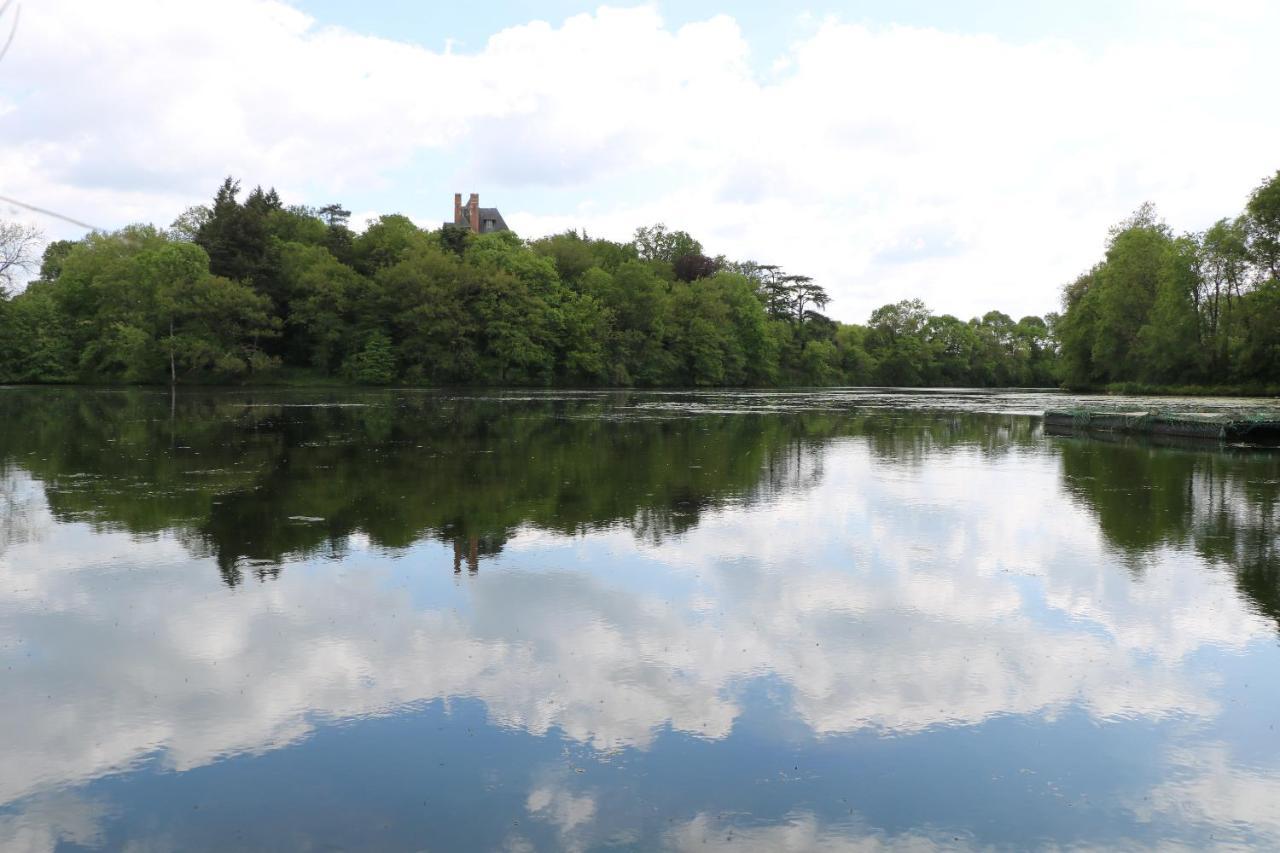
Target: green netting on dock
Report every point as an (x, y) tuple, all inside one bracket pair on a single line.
[(1242, 425)]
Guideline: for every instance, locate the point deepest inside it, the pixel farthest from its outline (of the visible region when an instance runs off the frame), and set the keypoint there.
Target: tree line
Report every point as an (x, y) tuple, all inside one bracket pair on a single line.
[(247, 289), (1180, 309)]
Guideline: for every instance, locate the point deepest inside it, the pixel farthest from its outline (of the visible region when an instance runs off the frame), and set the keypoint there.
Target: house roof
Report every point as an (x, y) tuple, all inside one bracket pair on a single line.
[(492, 213), (485, 214)]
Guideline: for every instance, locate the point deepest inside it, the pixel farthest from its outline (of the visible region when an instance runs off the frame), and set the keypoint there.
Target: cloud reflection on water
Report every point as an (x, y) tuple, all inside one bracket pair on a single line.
[(884, 596)]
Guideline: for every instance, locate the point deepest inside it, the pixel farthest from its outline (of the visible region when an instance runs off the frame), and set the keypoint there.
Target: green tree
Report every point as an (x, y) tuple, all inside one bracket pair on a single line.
[(857, 366), (954, 357), (325, 297), (1076, 330), (571, 253), (1035, 344), (1126, 284), (821, 362), (221, 327), (188, 223), (1190, 309), (386, 242), (1169, 344), (656, 243), (1223, 280), (35, 344), (374, 363), (54, 254), (139, 305), (423, 304), (167, 275), (1259, 348), (235, 236), (584, 329), (637, 299), (1263, 226), (896, 339)]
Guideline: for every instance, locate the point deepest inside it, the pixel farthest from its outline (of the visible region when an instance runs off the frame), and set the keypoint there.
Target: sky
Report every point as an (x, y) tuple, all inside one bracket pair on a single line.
[(970, 155)]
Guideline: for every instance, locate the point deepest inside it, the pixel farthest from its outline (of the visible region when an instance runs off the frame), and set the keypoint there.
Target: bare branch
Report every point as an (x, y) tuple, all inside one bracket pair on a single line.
[(18, 245)]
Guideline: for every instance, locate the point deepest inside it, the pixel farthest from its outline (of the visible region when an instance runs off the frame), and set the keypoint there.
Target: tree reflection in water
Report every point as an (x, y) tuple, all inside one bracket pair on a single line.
[(254, 482), (847, 601), (1222, 504)]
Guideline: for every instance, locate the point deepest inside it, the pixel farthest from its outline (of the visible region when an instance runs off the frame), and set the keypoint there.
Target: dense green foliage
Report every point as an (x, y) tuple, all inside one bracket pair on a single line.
[(1190, 309), (240, 289)]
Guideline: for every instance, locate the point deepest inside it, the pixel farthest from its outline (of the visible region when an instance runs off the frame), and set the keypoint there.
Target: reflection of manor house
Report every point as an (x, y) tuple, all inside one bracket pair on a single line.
[(479, 220), (472, 548)]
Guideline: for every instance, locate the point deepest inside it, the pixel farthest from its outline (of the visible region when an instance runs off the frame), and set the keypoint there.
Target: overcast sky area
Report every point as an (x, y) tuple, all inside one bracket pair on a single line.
[(889, 149)]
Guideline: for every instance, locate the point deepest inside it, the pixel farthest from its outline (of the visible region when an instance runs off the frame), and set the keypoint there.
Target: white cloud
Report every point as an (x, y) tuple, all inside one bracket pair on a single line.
[(571, 814), (1208, 787), (887, 161), (47, 823)]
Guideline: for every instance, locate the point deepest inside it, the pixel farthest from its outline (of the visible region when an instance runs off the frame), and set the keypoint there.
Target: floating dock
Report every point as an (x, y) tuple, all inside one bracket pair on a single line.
[(1234, 427)]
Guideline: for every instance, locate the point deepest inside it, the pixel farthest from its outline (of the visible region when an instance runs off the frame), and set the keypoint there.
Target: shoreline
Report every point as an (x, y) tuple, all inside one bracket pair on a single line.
[(302, 380)]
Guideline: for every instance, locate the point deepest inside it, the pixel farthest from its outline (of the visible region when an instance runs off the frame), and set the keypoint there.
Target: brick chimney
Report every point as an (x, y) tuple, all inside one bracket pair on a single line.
[(457, 208), (473, 206)]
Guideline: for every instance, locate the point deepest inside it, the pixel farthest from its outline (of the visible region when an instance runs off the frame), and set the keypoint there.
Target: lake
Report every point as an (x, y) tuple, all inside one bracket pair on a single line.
[(827, 620)]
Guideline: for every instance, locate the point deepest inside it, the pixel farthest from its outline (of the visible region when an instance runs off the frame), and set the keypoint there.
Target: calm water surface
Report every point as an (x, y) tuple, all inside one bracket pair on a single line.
[(839, 620)]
